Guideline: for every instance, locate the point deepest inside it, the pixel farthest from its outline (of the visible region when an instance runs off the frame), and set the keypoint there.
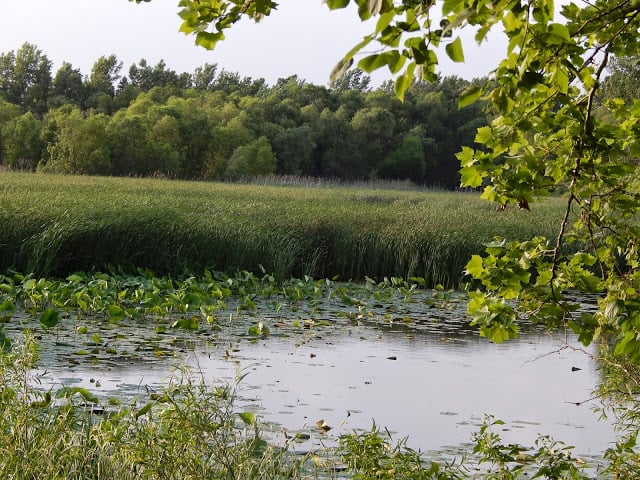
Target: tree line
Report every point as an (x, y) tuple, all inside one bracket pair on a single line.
[(215, 124)]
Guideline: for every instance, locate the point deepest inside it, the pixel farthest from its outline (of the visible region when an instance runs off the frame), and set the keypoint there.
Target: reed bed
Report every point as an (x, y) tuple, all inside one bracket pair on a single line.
[(55, 225)]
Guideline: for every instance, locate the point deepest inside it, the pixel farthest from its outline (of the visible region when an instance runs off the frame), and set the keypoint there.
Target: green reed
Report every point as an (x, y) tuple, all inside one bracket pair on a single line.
[(60, 224)]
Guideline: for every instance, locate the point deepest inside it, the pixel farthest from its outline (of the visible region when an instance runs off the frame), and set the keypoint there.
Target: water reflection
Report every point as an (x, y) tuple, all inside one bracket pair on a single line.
[(410, 366), (436, 392)]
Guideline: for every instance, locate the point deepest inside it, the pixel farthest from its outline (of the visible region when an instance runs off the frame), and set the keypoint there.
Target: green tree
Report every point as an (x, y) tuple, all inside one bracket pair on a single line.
[(165, 144), (101, 83), (354, 79), (623, 80), (293, 148), (67, 87), (407, 161), (434, 107), (146, 77), (197, 136), (25, 78), (128, 144), (374, 132), (256, 158), (80, 144), (336, 154), (227, 136), (8, 112), (125, 94), (7, 66), (22, 144), (203, 78)]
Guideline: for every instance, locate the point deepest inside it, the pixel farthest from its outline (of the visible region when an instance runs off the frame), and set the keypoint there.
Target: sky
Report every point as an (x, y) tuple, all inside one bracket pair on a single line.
[(303, 37)]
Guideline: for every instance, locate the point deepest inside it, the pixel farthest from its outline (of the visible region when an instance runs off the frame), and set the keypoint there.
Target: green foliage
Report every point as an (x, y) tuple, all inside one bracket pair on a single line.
[(25, 78), (157, 122), (622, 80), (407, 161), (199, 424), (81, 143), (22, 145), (373, 455), (548, 459), (254, 159), (49, 318), (100, 87), (547, 135), (67, 87)]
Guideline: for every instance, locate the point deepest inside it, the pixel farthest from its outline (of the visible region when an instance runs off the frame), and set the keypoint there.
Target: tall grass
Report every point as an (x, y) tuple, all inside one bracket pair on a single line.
[(188, 430), (53, 225)]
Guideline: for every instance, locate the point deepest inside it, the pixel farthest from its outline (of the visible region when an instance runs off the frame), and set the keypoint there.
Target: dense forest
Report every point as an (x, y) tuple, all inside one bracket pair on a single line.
[(215, 124)]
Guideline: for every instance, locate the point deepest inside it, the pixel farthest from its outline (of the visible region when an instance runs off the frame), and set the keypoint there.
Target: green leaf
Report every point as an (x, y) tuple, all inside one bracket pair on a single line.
[(259, 447), (49, 318), (116, 313), (561, 78), (470, 177), (5, 342), (484, 135), (191, 323), (475, 267), (247, 417), (469, 95), (627, 345), (404, 81), (7, 309), (68, 392), (384, 21), (466, 156), (364, 11), (557, 33), (259, 330), (391, 58), (336, 4), (341, 67), (450, 6), (454, 50), (208, 40), (143, 410)]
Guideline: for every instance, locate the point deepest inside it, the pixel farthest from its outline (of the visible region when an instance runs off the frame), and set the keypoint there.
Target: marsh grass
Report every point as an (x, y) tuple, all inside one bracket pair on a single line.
[(54, 225)]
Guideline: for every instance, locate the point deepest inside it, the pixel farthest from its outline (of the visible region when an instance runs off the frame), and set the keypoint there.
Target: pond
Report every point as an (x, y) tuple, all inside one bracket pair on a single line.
[(413, 366)]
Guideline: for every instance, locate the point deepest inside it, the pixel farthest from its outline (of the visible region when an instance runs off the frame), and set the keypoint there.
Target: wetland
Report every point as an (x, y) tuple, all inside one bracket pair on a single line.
[(342, 354), (342, 334)]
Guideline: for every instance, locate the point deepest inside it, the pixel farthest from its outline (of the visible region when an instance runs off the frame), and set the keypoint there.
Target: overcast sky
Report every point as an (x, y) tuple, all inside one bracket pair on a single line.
[(303, 37)]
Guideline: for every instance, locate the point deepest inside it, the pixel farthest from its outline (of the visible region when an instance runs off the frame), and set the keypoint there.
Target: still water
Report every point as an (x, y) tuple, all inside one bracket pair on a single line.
[(432, 384)]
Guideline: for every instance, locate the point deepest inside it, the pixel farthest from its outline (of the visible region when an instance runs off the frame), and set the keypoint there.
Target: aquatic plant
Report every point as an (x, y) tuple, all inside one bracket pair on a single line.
[(188, 430), (56, 225)]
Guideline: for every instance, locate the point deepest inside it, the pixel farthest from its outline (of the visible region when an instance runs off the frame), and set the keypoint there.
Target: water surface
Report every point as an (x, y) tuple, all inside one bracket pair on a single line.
[(432, 379)]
